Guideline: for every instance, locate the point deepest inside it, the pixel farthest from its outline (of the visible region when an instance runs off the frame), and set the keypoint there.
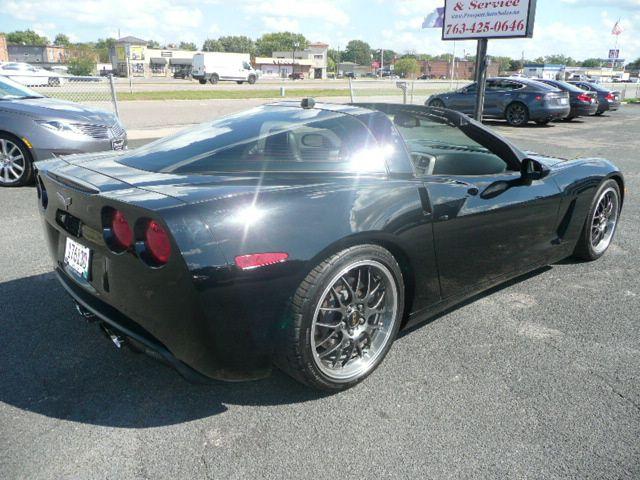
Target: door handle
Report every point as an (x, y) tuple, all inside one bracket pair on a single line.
[(473, 191)]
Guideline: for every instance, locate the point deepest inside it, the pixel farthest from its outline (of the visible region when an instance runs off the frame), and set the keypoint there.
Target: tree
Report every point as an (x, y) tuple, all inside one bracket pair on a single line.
[(62, 40), (561, 60), (280, 42), (237, 44), (358, 52), (153, 44), (103, 49), (188, 46), (635, 65), (504, 63), (26, 37), (211, 45), (83, 60), (407, 67), (591, 62)]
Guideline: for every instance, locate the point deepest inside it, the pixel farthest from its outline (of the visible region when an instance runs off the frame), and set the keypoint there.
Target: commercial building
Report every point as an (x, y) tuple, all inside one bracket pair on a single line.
[(4, 54), (547, 71), (315, 55), (351, 68), (131, 56), (462, 69), (42, 55), (273, 67)]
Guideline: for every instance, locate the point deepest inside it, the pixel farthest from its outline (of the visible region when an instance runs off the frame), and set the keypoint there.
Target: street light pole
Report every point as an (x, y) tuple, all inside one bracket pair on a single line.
[(293, 59)]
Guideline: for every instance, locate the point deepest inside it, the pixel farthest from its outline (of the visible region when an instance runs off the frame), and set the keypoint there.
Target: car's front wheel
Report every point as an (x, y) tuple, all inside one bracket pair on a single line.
[(16, 168), (601, 223), (344, 318), (436, 103)]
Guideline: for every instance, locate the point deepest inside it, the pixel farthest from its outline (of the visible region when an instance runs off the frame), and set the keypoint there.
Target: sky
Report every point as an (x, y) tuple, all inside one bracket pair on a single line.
[(577, 28)]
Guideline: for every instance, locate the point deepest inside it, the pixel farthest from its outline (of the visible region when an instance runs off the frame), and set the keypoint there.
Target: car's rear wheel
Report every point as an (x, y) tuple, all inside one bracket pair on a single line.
[(54, 82), (252, 79), (517, 114), (568, 119), (436, 103), (202, 81), (214, 78), (601, 223), (599, 112), (345, 316), (16, 168)]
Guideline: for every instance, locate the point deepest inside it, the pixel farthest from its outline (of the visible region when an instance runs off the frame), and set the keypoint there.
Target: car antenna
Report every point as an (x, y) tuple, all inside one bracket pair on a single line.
[(307, 103)]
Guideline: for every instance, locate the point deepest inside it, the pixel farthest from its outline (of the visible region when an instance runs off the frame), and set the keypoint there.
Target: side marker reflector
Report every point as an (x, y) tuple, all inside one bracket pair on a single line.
[(255, 260)]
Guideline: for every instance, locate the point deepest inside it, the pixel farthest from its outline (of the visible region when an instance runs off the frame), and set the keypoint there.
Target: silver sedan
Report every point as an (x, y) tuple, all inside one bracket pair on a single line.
[(34, 127)]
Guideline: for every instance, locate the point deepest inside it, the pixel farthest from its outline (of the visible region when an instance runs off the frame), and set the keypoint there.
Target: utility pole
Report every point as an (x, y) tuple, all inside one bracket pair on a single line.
[(381, 60), (481, 75)]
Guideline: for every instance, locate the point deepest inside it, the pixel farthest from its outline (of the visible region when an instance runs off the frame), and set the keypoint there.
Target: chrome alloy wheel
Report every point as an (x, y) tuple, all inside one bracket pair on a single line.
[(605, 218), (12, 162), (516, 114), (354, 320)]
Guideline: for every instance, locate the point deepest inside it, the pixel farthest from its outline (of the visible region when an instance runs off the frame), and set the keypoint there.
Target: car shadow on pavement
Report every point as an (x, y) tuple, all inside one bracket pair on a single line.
[(55, 364), (503, 123)]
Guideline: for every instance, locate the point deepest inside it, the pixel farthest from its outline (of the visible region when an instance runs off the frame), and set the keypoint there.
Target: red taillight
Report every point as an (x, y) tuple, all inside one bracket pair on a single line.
[(255, 260), (122, 233), (610, 96), (538, 97), (583, 97), (158, 244)]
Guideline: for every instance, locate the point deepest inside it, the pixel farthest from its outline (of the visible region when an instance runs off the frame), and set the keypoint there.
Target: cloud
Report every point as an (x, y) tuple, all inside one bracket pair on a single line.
[(309, 10), (273, 24)]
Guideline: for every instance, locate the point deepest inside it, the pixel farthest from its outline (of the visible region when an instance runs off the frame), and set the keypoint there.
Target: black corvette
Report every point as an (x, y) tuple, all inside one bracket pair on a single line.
[(305, 236)]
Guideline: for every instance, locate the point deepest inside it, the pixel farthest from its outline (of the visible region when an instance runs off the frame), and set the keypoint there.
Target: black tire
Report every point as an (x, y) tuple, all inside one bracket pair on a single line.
[(251, 79), (568, 119), (7, 177), (239, 82), (599, 112), (436, 103), (542, 122), (202, 81), (295, 355), (54, 82), (214, 79), (584, 248), (517, 114)]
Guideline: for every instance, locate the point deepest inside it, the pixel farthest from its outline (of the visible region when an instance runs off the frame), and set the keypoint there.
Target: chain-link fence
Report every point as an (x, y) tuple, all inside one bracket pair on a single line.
[(417, 91), (97, 92)]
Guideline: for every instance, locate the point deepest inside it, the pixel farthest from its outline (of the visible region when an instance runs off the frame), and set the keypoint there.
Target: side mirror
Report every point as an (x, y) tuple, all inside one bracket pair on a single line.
[(533, 170)]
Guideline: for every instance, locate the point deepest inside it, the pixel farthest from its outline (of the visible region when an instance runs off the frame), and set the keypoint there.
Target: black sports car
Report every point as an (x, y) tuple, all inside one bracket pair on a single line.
[(306, 235)]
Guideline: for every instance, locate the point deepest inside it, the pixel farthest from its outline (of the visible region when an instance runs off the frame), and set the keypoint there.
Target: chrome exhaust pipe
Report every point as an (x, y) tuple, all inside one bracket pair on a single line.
[(118, 340), (84, 313)]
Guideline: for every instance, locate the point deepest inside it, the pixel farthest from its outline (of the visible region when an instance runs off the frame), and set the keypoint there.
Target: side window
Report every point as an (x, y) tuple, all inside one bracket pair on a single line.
[(438, 147)]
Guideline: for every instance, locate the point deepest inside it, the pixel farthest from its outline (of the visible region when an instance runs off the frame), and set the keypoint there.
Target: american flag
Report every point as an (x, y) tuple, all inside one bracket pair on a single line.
[(617, 28)]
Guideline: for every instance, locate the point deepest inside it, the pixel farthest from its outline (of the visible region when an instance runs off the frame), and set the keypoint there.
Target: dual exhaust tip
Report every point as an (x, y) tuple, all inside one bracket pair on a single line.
[(117, 339)]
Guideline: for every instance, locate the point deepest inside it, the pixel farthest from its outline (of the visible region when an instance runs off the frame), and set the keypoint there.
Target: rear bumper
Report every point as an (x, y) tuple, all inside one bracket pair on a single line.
[(606, 105), (549, 112), (583, 110)]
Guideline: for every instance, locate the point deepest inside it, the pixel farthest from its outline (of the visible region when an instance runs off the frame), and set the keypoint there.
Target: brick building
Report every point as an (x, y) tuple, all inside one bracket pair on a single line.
[(463, 69)]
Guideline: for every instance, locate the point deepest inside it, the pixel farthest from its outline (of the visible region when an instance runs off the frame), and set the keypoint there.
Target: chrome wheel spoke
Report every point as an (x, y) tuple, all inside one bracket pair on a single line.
[(604, 220), (347, 332)]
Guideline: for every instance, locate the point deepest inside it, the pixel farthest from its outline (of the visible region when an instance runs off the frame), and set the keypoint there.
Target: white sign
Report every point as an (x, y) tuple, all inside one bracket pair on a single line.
[(614, 54), (471, 19)]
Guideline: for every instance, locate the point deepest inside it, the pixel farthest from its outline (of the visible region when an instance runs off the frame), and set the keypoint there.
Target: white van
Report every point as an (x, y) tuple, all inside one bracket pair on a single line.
[(215, 66)]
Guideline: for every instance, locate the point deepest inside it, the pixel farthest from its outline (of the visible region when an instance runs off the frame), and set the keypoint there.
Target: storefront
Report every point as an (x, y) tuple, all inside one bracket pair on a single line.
[(158, 66)]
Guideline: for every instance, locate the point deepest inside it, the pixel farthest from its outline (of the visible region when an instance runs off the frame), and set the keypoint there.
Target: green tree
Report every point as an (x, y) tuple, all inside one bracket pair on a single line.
[(591, 62), (561, 60), (26, 37), (212, 45), (62, 40), (153, 44), (83, 60), (407, 67), (504, 63), (358, 52), (237, 44), (279, 42), (103, 48), (635, 65), (188, 46)]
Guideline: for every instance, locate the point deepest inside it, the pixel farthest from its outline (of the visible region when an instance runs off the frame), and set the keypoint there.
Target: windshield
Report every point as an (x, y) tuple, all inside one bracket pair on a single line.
[(268, 138), (10, 90)]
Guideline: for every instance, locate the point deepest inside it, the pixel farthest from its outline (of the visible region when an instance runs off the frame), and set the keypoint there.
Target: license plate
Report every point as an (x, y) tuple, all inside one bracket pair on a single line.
[(117, 144), (563, 101), (78, 258)]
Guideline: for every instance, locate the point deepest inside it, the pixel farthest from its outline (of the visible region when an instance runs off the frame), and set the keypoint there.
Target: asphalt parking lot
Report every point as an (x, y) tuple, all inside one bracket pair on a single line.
[(537, 379)]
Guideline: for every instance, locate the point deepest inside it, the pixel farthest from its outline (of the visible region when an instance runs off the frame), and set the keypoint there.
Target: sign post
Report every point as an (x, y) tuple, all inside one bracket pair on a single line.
[(481, 20)]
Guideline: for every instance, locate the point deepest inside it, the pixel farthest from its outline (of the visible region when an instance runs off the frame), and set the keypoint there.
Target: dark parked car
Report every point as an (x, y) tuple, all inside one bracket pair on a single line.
[(34, 127), (607, 99), (517, 100), (296, 76), (307, 236), (583, 103), (184, 73)]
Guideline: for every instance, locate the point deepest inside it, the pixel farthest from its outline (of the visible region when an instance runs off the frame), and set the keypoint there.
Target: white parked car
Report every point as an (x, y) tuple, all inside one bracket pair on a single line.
[(31, 76)]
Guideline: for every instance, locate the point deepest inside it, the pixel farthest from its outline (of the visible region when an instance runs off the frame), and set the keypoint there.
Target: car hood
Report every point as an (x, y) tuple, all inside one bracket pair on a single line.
[(51, 108), (546, 160)]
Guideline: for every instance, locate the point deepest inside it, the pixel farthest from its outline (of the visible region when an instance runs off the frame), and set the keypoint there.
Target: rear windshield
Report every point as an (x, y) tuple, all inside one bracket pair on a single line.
[(567, 87), (267, 138)]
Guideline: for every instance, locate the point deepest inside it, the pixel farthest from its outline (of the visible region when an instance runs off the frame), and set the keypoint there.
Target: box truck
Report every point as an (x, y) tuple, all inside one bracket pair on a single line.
[(216, 66)]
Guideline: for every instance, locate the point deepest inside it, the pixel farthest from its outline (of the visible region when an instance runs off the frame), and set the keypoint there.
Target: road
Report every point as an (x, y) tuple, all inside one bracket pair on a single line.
[(537, 379)]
